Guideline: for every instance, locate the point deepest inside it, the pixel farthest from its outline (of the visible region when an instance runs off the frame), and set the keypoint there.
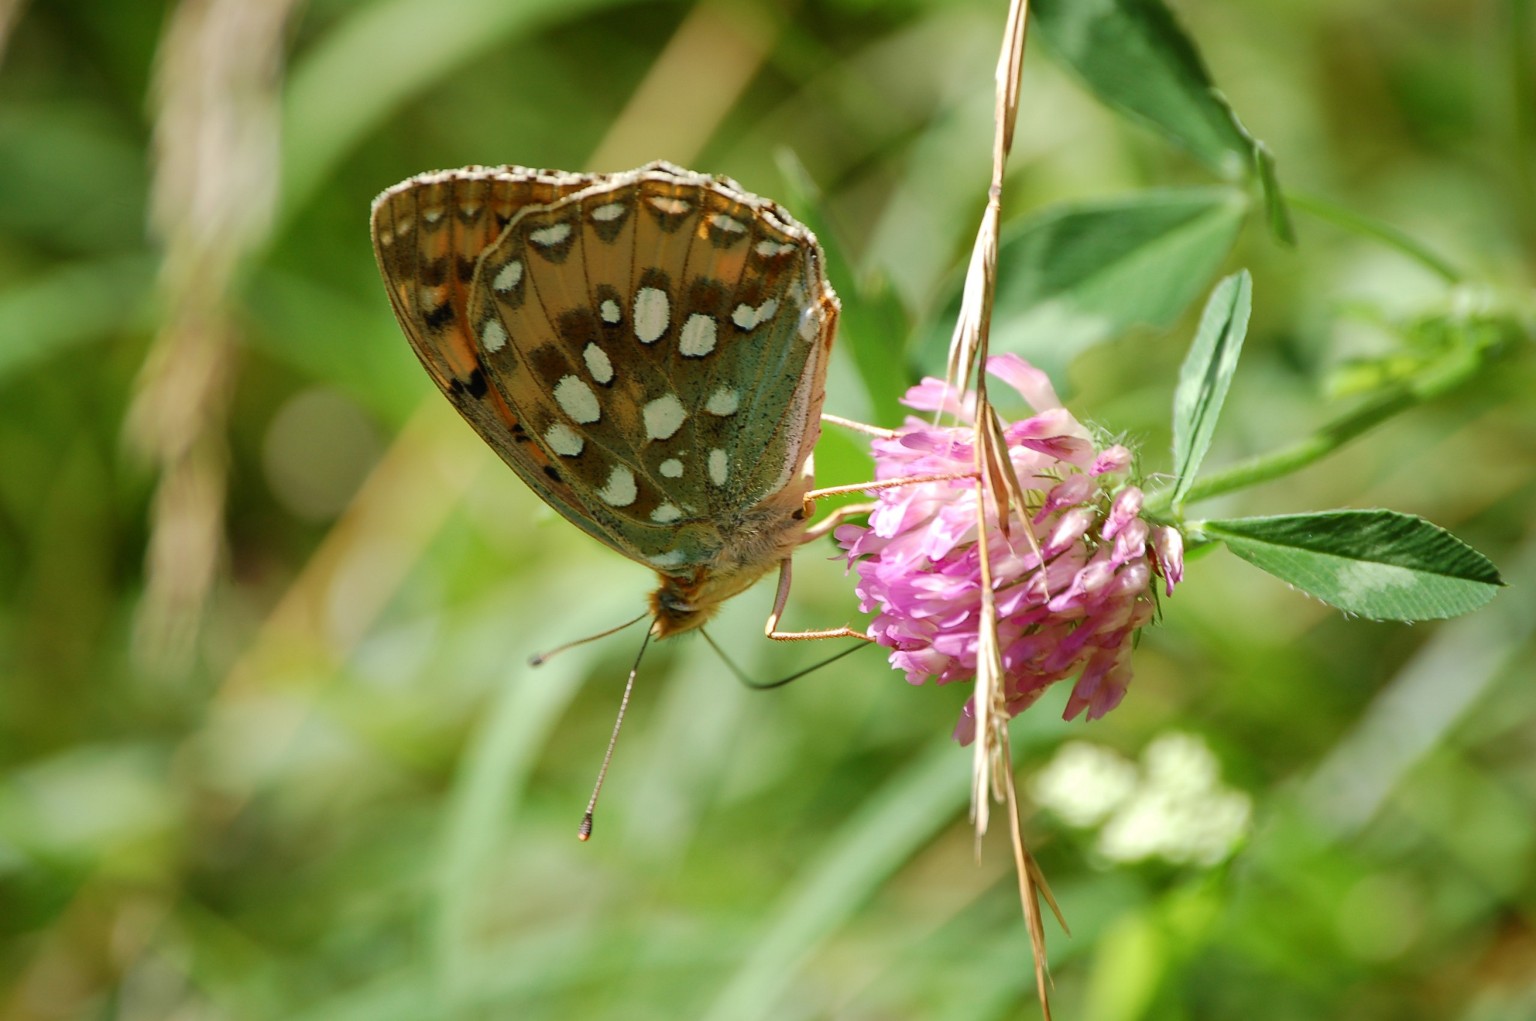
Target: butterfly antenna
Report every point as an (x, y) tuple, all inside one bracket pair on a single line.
[(759, 685), (585, 831), (540, 658)]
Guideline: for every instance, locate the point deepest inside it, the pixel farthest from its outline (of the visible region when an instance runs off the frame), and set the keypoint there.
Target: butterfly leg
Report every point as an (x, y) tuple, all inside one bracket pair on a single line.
[(858, 427), (831, 521), (866, 487), (780, 598)]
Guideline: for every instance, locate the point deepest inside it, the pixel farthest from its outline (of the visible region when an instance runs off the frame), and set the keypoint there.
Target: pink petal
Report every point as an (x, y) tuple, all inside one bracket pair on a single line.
[(1032, 384), (1131, 543), (1125, 509), (965, 726), (935, 395), (1168, 546), (1071, 490), (1112, 460), (1071, 527)]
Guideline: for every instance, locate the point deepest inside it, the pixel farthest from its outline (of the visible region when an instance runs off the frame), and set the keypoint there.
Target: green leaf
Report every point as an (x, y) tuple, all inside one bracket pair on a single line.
[(1076, 275), (1276, 211), (873, 325), (1136, 57), (1379, 564), (1206, 376)]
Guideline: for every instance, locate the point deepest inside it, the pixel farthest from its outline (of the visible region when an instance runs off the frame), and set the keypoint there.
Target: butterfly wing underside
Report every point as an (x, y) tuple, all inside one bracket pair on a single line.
[(646, 350)]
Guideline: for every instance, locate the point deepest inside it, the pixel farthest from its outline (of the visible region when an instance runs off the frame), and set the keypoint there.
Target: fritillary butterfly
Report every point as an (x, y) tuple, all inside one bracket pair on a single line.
[(647, 350)]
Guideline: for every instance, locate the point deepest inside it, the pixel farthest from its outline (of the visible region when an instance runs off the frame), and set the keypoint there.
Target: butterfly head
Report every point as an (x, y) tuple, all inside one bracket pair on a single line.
[(673, 611), (753, 542)]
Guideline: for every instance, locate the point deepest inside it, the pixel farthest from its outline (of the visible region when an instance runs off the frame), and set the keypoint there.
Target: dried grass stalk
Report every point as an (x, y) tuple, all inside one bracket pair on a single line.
[(212, 202), (992, 775)]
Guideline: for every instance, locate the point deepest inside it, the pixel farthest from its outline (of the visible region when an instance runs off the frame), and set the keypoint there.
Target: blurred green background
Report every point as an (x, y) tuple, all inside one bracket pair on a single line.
[(268, 744)]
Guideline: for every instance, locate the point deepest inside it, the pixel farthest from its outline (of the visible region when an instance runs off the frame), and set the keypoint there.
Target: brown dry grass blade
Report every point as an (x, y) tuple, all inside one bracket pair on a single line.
[(992, 776)]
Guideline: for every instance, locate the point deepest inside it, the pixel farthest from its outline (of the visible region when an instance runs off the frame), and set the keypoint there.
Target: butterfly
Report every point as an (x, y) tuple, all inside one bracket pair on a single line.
[(647, 350)]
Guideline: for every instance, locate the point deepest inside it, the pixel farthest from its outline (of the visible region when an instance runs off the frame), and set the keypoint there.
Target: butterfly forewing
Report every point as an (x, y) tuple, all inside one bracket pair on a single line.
[(647, 350)]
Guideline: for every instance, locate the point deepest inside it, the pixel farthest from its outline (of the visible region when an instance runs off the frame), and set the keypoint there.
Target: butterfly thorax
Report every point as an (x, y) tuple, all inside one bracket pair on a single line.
[(764, 537)]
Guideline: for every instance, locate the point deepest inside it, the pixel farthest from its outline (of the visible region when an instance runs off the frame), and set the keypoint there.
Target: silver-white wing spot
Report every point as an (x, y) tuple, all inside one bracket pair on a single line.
[(577, 400), (724, 401), (599, 365), (609, 212), (698, 336), (405, 225), (652, 311), (610, 311), (748, 317), (666, 514), (493, 336), (672, 468), (671, 558), (619, 491), (769, 248), (729, 224), (564, 440), (432, 215), (548, 237), (669, 204), (719, 466), (509, 277), (663, 417), (810, 323)]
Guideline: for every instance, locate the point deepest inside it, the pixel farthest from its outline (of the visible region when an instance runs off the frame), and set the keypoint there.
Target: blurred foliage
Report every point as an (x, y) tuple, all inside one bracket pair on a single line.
[(354, 800)]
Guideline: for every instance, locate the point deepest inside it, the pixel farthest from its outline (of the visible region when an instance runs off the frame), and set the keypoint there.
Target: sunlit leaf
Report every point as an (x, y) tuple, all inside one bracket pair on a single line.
[(1377, 563), (1136, 57), (1206, 376)]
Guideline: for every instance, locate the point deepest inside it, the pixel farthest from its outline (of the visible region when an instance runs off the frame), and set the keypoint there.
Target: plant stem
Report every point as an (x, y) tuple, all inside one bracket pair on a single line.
[(1434, 380), (1366, 226)]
